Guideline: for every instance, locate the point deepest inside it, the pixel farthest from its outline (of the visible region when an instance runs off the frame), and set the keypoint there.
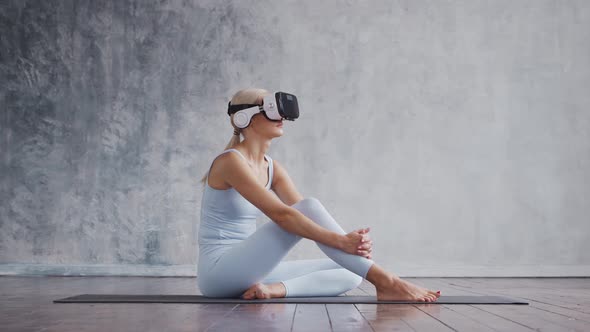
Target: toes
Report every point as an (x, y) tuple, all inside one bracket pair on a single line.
[(429, 298), (435, 294)]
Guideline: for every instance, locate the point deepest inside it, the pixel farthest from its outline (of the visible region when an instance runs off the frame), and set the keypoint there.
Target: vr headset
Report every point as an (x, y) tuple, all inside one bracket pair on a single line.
[(275, 107)]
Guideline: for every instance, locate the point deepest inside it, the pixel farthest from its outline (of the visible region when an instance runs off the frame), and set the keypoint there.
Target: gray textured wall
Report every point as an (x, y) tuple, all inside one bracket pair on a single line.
[(458, 130)]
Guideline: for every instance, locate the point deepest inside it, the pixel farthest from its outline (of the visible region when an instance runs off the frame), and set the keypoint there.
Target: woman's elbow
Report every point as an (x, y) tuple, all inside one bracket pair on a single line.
[(283, 215)]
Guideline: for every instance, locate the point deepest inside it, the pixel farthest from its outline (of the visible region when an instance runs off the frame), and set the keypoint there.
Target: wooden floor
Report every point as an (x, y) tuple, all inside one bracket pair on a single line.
[(556, 304)]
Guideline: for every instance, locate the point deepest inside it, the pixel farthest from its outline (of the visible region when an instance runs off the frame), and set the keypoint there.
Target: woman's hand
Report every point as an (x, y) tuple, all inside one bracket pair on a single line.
[(358, 243)]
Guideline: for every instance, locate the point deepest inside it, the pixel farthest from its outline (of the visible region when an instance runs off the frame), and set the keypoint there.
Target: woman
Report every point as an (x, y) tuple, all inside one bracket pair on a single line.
[(237, 259)]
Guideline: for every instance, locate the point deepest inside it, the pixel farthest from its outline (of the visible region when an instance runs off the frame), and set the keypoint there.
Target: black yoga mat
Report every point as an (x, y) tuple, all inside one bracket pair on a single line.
[(129, 298)]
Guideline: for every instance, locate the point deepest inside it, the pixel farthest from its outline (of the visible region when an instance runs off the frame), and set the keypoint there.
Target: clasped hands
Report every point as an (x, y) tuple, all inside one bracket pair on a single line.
[(358, 243)]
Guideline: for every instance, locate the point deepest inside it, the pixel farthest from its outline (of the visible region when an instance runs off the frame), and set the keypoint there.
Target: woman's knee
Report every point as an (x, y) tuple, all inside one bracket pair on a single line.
[(308, 203), (312, 208)]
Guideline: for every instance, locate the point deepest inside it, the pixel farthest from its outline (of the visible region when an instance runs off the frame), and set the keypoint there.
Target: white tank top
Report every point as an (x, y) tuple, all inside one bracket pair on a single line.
[(226, 216)]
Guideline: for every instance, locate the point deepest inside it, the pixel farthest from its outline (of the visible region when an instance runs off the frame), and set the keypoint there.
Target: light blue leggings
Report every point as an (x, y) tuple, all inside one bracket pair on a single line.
[(229, 270)]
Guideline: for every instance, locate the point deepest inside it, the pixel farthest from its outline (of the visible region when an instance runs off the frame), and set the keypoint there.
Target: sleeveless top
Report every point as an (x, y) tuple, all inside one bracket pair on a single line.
[(226, 216)]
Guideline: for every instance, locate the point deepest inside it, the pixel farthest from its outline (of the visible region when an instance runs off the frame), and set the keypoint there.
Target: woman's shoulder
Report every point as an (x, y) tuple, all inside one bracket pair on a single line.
[(228, 155), (230, 158), (220, 164)]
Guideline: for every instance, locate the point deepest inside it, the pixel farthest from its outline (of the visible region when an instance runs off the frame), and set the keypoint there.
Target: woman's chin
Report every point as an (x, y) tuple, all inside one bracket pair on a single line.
[(279, 132)]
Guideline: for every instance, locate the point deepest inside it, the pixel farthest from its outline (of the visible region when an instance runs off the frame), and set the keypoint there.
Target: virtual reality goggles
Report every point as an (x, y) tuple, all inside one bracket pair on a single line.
[(275, 107)]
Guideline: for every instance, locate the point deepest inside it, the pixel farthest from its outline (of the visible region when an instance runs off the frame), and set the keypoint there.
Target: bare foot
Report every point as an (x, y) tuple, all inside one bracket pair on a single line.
[(262, 291), (401, 290)]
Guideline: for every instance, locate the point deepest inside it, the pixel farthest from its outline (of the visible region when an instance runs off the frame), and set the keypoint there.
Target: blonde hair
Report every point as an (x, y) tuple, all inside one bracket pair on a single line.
[(245, 96)]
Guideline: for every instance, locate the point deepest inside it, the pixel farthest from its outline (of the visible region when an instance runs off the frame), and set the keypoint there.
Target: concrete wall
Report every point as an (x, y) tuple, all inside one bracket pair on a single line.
[(458, 130)]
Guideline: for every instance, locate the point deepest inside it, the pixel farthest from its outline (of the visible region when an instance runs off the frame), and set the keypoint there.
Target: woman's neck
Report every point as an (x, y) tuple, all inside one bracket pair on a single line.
[(254, 151)]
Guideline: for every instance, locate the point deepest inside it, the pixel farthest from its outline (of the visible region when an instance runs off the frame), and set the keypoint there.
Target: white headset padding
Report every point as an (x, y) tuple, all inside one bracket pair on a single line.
[(242, 118)]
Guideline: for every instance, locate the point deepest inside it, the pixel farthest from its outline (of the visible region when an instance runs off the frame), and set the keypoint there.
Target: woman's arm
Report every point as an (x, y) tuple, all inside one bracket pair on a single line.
[(283, 186), (238, 174)]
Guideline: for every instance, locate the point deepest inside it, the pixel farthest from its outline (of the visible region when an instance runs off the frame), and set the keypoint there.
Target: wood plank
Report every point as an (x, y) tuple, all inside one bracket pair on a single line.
[(311, 317), (257, 317), (570, 313), (387, 319), (487, 319), (346, 317), (512, 283), (548, 303), (201, 318), (26, 305), (427, 323), (535, 319), (139, 316), (382, 317), (452, 318), (531, 316), (470, 312)]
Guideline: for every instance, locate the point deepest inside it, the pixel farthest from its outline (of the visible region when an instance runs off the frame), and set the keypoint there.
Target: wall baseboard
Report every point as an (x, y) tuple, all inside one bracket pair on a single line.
[(490, 271), (191, 270), (67, 270)]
